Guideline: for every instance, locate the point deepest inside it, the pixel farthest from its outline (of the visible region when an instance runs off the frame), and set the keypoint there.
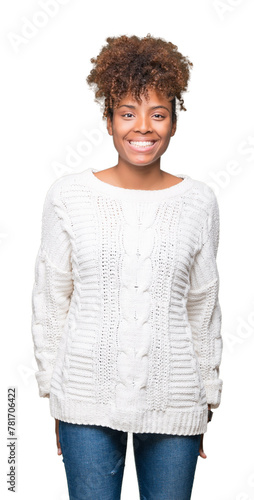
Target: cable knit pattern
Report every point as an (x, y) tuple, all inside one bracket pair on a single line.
[(126, 320)]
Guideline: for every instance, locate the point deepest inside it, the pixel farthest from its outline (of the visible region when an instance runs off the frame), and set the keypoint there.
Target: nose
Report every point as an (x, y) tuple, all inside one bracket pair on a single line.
[(143, 124)]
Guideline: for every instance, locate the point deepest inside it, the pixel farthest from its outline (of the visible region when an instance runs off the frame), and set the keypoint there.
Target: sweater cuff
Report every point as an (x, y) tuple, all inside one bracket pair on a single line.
[(213, 392), (43, 379)]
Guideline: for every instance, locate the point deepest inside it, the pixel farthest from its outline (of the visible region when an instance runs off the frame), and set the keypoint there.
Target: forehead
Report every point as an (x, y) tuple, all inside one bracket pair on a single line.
[(153, 98)]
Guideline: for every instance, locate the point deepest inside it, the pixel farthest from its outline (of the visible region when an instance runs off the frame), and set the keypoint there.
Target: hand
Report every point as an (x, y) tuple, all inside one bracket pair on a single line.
[(59, 451), (201, 450)]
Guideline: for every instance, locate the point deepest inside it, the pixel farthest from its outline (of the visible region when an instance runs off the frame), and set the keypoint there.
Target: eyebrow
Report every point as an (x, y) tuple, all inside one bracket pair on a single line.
[(133, 107)]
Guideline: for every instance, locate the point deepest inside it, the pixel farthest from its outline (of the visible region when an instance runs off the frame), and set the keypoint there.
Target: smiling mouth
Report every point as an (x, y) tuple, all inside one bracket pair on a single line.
[(141, 145)]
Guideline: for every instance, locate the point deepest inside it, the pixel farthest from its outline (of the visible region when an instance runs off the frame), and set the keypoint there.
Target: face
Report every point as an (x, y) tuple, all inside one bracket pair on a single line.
[(142, 131)]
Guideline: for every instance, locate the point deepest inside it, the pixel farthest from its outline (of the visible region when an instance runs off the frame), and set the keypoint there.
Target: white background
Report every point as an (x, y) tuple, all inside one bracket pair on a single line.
[(46, 111)]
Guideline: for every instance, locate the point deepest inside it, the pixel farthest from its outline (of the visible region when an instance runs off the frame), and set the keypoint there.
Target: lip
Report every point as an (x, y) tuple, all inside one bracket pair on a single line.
[(141, 149)]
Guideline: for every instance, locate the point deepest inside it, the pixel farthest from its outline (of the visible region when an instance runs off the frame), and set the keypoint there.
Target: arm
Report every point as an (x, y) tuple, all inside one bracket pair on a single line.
[(203, 306), (53, 286)]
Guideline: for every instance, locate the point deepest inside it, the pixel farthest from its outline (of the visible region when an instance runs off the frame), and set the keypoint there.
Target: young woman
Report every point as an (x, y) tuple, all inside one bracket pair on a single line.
[(126, 315)]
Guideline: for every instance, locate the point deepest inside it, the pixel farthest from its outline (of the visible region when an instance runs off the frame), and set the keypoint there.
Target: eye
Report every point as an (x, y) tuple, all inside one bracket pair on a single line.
[(127, 114), (159, 115)]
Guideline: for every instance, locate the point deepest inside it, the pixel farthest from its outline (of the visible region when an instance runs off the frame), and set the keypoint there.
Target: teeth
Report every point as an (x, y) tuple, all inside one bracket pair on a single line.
[(143, 143)]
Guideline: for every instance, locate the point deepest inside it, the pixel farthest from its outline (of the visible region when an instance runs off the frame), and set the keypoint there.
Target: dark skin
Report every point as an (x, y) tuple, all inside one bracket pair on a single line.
[(137, 168), (140, 121)]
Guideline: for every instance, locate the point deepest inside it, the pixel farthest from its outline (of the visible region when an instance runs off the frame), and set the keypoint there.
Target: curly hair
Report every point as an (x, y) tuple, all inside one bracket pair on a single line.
[(133, 65)]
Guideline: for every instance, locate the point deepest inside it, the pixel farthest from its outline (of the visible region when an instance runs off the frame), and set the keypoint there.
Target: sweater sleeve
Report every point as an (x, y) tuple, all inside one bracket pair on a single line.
[(52, 289), (203, 306)]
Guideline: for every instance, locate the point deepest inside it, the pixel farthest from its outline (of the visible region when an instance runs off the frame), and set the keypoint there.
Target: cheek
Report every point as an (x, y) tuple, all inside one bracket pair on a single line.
[(121, 128), (164, 129), (166, 136), (120, 136)]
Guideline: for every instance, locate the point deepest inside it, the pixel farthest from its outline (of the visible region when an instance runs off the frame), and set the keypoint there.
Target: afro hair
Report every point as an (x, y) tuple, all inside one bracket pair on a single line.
[(133, 65)]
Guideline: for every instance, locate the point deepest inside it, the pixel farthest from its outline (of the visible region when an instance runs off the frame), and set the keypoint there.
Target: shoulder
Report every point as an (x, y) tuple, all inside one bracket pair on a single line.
[(205, 191), (64, 184), (204, 196)]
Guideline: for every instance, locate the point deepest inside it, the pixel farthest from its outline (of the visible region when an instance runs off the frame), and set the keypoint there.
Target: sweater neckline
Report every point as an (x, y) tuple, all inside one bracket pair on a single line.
[(149, 195)]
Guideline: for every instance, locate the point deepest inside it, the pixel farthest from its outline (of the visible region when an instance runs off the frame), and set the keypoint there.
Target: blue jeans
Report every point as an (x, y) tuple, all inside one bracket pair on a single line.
[(94, 460)]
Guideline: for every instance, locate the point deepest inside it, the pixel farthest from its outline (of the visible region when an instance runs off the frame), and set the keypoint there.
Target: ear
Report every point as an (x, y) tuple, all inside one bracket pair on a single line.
[(109, 126), (173, 131)]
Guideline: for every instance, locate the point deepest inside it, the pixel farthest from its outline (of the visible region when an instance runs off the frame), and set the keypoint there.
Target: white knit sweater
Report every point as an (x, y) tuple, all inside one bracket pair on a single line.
[(126, 318)]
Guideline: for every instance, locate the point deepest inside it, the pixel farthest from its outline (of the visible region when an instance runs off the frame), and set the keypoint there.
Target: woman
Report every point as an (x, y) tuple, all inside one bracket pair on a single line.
[(126, 316)]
